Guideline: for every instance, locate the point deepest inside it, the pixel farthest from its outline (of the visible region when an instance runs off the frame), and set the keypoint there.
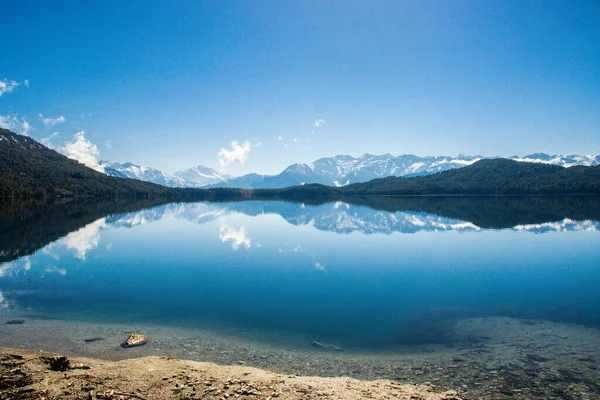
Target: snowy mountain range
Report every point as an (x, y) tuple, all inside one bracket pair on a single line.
[(194, 177), (342, 170), (202, 176), (563, 161), (334, 171)]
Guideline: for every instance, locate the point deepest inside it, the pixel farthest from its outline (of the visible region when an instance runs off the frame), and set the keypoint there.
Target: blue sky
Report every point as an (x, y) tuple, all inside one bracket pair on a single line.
[(170, 83)]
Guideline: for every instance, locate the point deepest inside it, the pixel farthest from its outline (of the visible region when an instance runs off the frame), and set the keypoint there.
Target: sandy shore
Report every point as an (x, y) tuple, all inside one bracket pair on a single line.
[(29, 375)]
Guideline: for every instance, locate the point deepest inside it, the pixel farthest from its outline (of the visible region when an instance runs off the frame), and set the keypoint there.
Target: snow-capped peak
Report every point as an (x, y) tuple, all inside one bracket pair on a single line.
[(562, 160), (143, 173), (202, 176)]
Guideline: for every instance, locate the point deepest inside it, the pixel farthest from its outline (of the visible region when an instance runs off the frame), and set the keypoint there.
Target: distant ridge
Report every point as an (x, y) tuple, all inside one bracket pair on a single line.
[(490, 177), (29, 169), (199, 176), (344, 170), (340, 170)]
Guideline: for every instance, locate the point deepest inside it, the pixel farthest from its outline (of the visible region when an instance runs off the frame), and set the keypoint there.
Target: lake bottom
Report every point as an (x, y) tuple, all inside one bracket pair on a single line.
[(491, 358)]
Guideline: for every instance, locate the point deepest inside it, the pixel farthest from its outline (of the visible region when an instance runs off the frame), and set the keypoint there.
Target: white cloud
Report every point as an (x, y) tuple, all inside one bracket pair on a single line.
[(318, 123), (7, 86), (8, 121), (12, 122), (280, 138), (236, 154), (26, 82), (25, 127), (52, 121), (237, 237), (47, 141), (295, 140), (84, 151), (49, 251), (108, 144), (319, 266)]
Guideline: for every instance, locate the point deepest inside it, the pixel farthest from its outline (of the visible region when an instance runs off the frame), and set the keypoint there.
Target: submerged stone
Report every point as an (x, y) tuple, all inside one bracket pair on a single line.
[(93, 339), (134, 340), (15, 322), (326, 346)]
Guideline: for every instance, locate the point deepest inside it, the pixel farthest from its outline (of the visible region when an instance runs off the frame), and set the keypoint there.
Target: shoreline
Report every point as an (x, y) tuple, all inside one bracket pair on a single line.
[(504, 358), (276, 351), (29, 374)]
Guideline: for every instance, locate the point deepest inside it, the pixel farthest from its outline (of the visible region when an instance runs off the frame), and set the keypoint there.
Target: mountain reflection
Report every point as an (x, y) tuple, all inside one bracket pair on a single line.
[(364, 272), (25, 228), (339, 217)]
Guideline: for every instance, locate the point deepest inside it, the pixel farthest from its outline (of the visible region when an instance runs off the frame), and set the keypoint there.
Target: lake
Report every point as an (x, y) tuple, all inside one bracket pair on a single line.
[(491, 295)]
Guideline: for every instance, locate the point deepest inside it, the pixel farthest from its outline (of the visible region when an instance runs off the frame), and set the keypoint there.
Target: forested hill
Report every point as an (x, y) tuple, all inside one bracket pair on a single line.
[(28, 168), (489, 177)]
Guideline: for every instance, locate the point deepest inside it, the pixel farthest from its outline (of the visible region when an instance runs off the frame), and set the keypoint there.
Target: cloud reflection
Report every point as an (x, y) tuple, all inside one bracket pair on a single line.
[(237, 237), (85, 239), (55, 270), (3, 301), (15, 267)]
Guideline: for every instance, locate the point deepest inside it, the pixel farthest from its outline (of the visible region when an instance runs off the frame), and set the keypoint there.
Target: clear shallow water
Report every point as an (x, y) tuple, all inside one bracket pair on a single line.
[(356, 277)]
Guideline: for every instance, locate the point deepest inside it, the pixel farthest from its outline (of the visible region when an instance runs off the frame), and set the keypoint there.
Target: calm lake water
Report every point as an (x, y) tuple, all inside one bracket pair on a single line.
[(375, 277)]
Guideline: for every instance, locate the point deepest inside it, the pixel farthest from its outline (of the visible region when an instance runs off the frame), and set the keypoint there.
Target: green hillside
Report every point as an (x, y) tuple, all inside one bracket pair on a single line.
[(489, 177), (28, 168)]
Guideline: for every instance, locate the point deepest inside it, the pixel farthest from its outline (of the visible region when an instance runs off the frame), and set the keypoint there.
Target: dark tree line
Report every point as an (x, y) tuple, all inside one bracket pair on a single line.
[(489, 177)]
